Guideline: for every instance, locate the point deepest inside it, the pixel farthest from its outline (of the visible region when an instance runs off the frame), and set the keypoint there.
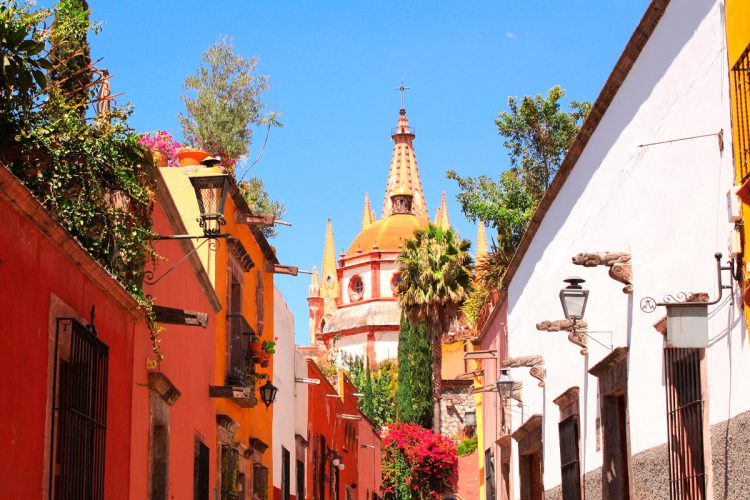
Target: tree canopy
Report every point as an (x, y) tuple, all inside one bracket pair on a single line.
[(414, 393), (537, 136), (436, 272)]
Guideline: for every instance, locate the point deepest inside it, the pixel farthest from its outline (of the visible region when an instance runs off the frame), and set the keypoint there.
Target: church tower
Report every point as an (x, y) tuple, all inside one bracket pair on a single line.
[(404, 169)]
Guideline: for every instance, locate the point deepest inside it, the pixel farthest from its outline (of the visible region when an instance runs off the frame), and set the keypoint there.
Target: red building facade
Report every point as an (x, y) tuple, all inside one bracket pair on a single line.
[(68, 377)]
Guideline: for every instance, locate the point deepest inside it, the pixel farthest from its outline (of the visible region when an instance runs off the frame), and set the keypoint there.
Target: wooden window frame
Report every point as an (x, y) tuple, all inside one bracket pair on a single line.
[(612, 372), (567, 402), (530, 458)]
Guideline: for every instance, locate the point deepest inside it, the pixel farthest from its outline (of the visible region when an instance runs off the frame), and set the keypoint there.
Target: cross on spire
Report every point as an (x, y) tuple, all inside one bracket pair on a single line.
[(403, 90)]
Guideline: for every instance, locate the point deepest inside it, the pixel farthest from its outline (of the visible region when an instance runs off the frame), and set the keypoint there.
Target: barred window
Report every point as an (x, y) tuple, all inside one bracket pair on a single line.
[(740, 76), (687, 474), (79, 415)]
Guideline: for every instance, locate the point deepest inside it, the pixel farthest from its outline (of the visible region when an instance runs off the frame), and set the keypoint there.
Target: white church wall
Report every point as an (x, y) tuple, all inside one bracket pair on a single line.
[(365, 272), (352, 345), (665, 204), (387, 270), (386, 346)]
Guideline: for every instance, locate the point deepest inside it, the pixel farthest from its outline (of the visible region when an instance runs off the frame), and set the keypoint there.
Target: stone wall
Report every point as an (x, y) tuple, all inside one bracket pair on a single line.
[(456, 401), (730, 448)]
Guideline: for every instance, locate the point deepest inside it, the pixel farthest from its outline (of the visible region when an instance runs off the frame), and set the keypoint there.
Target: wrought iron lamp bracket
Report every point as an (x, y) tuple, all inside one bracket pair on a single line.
[(213, 244), (686, 299)]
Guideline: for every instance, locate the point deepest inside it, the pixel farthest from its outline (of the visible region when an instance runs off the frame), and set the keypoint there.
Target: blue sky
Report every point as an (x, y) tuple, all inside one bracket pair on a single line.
[(333, 67)]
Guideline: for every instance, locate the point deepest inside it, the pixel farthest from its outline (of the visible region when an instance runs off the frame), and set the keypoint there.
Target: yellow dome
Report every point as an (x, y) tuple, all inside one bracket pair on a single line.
[(387, 233)]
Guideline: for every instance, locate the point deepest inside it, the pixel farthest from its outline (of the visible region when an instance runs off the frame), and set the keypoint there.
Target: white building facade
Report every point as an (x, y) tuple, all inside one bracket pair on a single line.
[(638, 210)]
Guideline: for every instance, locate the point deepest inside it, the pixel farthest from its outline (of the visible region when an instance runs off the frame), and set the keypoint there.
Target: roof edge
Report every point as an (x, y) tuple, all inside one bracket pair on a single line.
[(622, 68)]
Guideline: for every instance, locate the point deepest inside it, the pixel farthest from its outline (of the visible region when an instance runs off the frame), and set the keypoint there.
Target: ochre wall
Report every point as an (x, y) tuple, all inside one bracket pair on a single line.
[(32, 269), (738, 39), (188, 363), (254, 422)]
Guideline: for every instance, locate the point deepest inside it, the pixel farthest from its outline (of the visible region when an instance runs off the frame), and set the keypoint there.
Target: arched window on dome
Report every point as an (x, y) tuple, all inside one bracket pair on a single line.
[(394, 283), (356, 288)]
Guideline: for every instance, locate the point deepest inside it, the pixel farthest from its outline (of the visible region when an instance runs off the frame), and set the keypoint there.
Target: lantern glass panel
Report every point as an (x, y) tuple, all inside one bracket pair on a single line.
[(505, 384), (574, 302)]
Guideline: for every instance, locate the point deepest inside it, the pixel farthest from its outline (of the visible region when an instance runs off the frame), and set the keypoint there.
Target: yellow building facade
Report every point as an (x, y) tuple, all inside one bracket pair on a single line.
[(738, 52), (241, 268)]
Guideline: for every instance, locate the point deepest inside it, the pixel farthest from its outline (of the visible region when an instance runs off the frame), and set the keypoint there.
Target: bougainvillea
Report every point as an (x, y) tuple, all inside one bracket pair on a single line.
[(417, 463), (163, 141)]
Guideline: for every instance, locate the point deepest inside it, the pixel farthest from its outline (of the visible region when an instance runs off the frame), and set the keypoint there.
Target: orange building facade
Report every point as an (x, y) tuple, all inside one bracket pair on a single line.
[(241, 268)]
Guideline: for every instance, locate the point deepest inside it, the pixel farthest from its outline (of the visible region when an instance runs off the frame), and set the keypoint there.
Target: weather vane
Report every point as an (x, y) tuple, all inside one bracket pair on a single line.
[(403, 90)]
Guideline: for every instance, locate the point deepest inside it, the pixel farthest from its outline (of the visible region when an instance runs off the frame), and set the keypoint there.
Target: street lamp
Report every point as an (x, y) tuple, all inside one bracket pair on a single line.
[(470, 418), (573, 298), (268, 393), (505, 384), (211, 185)]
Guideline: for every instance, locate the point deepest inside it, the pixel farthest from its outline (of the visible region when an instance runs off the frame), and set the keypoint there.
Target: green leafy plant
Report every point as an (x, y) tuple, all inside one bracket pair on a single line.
[(467, 446), (270, 345), (436, 272), (414, 394), (378, 386), (97, 181), (538, 134)]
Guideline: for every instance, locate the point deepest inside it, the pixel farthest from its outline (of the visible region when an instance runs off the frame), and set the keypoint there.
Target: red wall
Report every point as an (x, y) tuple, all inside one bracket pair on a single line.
[(323, 421), (189, 365), (32, 268), (369, 470)]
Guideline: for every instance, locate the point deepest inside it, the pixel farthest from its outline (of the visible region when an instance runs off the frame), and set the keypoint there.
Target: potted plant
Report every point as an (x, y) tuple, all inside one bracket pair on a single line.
[(270, 345), (255, 348), (190, 156), (265, 359), (163, 148)]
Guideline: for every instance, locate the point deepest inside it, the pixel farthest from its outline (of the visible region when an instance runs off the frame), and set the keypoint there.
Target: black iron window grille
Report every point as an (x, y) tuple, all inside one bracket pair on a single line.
[(230, 480), (79, 413), (687, 477), (740, 76), (569, 462), (240, 365), (200, 470)]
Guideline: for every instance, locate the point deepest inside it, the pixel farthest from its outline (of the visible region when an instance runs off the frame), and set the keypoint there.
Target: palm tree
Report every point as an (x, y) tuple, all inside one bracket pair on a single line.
[(436, 273)]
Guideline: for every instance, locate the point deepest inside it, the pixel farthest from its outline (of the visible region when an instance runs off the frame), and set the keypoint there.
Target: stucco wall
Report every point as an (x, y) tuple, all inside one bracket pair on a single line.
[(285, 407), (666, 205)]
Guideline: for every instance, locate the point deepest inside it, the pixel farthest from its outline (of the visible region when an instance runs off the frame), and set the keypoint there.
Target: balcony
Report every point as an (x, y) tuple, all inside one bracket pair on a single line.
[(241, 377)]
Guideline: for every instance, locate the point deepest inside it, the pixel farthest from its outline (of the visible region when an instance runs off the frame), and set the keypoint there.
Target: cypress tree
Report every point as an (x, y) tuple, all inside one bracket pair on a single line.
[(414, 393)]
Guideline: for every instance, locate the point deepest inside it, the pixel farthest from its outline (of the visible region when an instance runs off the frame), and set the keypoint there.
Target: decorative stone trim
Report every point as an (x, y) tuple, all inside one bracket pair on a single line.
[(576, 333), (620, 268), (163, 387), (535, 363), (227, 423), (568, 403), (616, 357), (238, 249), (258, 445), (525, 435)]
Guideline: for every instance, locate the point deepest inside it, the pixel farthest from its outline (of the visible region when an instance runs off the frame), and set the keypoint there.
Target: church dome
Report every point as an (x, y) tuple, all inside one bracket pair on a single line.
[(388, 233)]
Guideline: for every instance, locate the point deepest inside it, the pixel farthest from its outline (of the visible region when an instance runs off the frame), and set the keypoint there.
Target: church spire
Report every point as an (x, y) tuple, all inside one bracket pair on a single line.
[(314, 290), (368, 214), (404, 171), (481, 242), (329, 287), (441, 217)]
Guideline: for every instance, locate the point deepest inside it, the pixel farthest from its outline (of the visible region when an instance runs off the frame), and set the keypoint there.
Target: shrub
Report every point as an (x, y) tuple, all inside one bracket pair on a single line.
[(417, 463), (467, 446)]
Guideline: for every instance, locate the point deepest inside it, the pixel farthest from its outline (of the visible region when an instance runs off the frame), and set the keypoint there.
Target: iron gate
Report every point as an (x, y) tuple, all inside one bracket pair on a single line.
[(687, 478), (79, 413)]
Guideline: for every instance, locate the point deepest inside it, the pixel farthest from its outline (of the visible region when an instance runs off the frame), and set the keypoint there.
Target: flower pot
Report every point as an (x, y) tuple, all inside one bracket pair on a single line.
[(255, 350), (191, 158), (161, 160), (265, 359)]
